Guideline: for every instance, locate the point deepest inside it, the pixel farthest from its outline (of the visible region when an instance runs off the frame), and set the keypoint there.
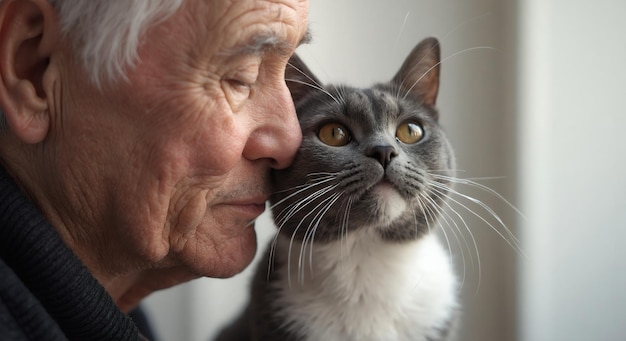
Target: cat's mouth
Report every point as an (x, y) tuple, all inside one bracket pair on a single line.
[(385, 190), (384, 187), (390, 204)]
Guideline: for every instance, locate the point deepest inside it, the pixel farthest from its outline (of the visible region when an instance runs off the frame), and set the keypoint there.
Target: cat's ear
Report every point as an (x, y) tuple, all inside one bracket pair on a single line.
[(419, 75), (300, 80)]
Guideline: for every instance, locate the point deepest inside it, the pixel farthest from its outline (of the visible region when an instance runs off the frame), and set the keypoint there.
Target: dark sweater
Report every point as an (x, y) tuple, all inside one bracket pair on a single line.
[(46, 293)]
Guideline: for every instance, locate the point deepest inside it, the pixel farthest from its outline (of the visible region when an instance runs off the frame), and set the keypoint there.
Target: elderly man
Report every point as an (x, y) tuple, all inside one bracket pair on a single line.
[(135, 146)]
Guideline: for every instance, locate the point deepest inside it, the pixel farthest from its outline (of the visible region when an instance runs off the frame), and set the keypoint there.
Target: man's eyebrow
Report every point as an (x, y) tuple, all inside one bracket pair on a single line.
[(263, 43)]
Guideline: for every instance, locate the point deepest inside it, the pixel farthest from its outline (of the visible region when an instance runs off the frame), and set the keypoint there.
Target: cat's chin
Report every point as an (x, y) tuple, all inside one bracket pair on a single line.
[(391, 204)]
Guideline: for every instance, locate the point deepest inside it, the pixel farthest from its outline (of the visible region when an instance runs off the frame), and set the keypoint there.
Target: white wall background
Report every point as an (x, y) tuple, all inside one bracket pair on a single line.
[(531, 96), (572, 161)]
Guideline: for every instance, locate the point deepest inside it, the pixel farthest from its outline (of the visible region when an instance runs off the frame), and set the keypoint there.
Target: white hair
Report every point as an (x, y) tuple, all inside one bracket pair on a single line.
[(106, 33)]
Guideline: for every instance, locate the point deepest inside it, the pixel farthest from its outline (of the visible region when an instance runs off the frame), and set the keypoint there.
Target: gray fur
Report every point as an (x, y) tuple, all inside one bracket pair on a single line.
[(374, 154)]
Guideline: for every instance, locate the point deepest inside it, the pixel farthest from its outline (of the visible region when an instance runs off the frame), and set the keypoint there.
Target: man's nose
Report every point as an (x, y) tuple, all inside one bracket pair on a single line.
[(278, 135)]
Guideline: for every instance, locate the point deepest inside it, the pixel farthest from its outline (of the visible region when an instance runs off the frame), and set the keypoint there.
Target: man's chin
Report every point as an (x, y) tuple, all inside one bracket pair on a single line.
[(234, 255)]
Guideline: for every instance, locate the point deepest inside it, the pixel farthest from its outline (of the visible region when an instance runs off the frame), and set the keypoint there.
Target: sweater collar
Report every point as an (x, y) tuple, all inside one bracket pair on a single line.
[(53, 273)]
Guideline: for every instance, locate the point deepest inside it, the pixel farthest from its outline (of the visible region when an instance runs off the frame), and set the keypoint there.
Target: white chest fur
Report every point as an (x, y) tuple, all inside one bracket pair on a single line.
[(361, 288)]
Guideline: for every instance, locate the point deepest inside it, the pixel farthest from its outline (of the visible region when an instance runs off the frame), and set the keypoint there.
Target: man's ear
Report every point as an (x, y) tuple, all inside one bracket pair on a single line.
[(28, 36)]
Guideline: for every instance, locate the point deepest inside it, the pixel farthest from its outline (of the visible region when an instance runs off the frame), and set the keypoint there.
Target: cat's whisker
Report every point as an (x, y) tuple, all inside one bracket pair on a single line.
[(422, 206), (445, 171), (514, 243), (484, 178), (322, 174), (446, 218), (431, 209), (453, 30), (313, 188), (309, 235), (314, 83), (301, 188), (344, 230), (456, 226), (493, 214), (306, 75), (271, 258), (443, 60), (471, 182), (443, 196), (314, 86), (287, 213), (416, 66), (415, 220), (290, 249), (295, 207), (464, 23), (321, 179), (477, 263), (310, 232), (341, 93), (297, 228), (395, 44)]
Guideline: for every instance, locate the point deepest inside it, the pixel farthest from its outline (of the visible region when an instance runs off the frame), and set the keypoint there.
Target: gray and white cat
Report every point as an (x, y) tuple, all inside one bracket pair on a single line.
[(355, 257)]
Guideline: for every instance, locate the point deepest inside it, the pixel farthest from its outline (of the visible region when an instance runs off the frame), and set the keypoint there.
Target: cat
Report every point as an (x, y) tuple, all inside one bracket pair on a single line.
[(355, 257)]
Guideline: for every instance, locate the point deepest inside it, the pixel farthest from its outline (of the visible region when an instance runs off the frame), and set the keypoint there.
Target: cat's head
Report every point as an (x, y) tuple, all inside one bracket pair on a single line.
[(371, 158)]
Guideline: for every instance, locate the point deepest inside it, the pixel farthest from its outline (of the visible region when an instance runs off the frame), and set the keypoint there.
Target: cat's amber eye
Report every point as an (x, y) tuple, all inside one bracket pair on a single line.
[(334, 134), (409, 133)]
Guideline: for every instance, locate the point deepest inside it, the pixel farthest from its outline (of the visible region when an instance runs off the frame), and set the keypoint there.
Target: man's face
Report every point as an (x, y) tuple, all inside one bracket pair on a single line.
[(178, 157)]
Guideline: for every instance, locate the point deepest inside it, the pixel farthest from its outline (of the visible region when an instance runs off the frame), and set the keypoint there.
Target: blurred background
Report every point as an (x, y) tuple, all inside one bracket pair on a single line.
[(533, 97)]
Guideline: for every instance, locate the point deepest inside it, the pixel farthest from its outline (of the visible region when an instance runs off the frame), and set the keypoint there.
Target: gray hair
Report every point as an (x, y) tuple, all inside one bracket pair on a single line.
[(107, 33)]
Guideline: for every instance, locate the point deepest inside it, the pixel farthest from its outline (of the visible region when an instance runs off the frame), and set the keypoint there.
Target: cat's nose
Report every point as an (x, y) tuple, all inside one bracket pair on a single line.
[(383, 154)]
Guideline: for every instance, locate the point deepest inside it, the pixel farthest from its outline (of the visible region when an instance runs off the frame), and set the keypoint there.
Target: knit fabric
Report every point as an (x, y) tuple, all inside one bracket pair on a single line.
[(46, 293)]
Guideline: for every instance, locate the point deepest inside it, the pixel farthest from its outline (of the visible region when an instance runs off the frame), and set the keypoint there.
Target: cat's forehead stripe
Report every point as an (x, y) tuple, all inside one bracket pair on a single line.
[(359, 106), (384, 101), (372, 105)]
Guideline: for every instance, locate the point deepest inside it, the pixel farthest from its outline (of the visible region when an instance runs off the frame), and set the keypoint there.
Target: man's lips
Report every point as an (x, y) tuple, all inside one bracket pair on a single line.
[(249, 208)]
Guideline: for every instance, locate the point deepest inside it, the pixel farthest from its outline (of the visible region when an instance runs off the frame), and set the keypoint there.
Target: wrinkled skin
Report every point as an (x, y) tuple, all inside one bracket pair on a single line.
[(153, 181)]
